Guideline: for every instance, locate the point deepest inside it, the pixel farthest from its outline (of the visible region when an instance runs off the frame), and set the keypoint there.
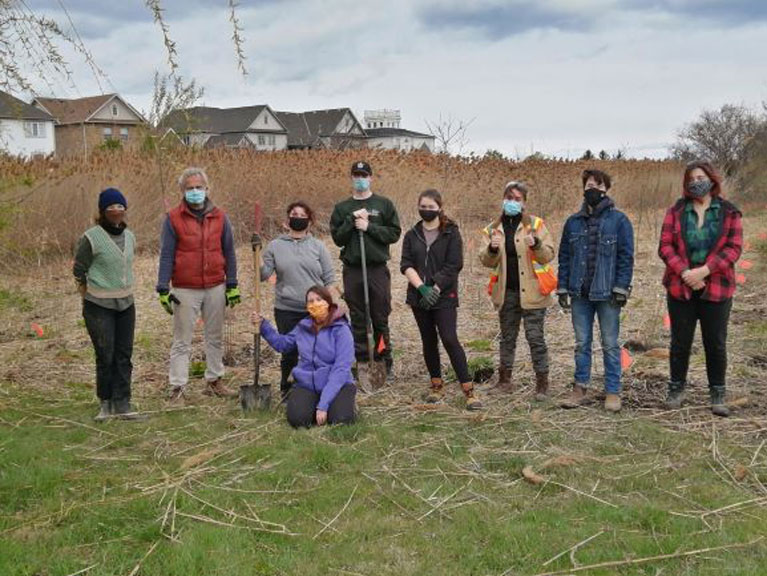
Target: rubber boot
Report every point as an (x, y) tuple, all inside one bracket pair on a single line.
[(504, 380), (472, 402), (718, 406), (675, 395), (541, 386), (436, 391), (124, 410), (105, 412)]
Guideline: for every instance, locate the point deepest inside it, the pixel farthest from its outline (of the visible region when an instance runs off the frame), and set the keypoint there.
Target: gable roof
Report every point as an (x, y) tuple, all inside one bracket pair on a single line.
[(305, 128), (394, 132), (215, 120), (13, 108), (229, 140), (80, 110)]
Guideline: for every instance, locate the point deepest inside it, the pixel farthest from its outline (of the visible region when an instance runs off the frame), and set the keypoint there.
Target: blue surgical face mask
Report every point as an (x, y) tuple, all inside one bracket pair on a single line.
[(512, 207), (195, 195), (361, 184)]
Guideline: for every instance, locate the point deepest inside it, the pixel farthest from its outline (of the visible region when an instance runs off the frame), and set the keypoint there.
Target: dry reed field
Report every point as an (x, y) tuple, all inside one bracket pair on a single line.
[(520, 488)]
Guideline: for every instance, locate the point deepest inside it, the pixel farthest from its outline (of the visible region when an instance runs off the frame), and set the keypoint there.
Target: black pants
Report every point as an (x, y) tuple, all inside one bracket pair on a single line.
[(444, 321), (714, 317), (379, 286), (286, 320), (112, 335), (302, 405)]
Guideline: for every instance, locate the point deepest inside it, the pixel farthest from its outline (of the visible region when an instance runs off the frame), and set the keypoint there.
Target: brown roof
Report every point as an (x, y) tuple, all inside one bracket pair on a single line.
[(13, 108), (77, 110)]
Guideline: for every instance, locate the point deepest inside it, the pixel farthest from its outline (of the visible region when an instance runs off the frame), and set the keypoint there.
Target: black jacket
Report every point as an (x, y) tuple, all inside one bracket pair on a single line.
[(438, 264)]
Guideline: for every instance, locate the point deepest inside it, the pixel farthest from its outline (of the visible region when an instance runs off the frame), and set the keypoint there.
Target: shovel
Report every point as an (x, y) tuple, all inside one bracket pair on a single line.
[(256, 395), (377, 370)]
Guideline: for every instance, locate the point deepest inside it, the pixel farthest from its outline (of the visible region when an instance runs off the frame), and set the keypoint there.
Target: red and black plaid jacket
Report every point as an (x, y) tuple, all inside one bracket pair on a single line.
[(720, 284)]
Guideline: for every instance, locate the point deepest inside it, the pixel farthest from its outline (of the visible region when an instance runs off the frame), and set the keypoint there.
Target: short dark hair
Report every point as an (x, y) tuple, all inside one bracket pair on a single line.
[(305, 206), (598, 176)]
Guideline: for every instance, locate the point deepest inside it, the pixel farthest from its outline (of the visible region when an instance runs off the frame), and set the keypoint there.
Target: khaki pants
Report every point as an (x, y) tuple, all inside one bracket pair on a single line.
[(211, 304)]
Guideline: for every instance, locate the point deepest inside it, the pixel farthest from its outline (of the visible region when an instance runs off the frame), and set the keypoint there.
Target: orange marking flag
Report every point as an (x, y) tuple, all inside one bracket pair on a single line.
[(626, 359), (762, 235), (667, 321), (746, 264), (37, 329), (740, 278), (381, 345)]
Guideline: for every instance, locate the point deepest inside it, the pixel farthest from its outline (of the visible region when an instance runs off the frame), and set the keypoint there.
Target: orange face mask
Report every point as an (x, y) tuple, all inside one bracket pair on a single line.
[(318, 310)]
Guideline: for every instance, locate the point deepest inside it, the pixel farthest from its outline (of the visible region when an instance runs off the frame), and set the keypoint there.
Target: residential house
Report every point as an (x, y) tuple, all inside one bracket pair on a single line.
[(383, 131), (84, 124), (24, 130), (254, 127), (335, 128)]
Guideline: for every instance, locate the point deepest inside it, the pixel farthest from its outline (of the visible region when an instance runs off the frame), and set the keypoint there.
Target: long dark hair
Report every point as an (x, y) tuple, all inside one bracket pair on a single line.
[(434, 194), (710, 171), (325, 294)]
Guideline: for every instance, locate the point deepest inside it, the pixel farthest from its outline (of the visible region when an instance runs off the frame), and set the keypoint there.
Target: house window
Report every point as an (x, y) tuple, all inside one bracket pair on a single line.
[(261, 140), (34, 129), (266, 119), (271, 139), (107, 133), (114, 110), (124, 133)]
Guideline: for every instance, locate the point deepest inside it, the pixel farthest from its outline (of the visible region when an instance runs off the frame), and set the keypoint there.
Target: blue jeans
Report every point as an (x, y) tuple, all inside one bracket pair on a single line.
[(609, 326)]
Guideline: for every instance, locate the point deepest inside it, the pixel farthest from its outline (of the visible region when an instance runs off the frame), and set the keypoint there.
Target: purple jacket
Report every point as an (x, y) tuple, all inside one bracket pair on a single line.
[(325, 358)]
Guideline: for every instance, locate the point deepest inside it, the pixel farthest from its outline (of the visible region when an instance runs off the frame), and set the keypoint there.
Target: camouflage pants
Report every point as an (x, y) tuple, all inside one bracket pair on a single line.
[(511, 316)]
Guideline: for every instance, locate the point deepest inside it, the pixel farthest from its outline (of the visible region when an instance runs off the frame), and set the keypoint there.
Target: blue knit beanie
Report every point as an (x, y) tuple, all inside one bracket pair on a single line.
[(111, 196)]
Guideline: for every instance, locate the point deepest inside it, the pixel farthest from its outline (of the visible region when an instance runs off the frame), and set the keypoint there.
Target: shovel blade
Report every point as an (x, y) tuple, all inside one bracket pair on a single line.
[(377, 374), (248, 398), (264, 397)]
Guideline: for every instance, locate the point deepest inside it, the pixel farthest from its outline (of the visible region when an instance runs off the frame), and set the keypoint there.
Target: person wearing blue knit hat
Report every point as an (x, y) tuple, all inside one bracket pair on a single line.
[(103, 271)]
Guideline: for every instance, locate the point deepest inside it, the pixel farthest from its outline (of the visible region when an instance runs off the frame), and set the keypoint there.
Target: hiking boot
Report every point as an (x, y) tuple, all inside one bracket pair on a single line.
[(176, 396), (542, 386), (577, 397), (472, 402), (613, 402), (718, 406), (125, 411), (675, 395), (436, 391), (504, 380), (105, 411), (216, 388)]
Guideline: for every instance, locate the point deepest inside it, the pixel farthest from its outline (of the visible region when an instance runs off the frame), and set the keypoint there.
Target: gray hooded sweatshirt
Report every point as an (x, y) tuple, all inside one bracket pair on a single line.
[(299, 264)]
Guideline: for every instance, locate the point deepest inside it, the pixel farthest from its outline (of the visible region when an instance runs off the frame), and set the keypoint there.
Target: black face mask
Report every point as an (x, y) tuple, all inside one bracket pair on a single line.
[(428, 215), (593, 196), (298, 224)]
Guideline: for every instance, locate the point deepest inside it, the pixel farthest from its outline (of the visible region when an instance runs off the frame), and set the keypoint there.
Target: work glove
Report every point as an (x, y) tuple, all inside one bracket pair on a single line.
[(167, 300), (233, 296), (429, 296), (564, 300), (619, 299)]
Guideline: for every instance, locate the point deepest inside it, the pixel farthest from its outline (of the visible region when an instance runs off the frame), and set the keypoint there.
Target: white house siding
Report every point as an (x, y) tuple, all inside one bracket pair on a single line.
[(266, 121), (348, 125), (18, 141), (196, 139), (403, 143), (124, 114), (268, 141)]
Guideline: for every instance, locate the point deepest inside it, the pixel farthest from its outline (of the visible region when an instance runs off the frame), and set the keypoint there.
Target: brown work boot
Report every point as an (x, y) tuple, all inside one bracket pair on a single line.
[(613, 403), (436, 391), (176, 397), (541, 386), (504, 380), (576, 398), (216, 388), (472, 402)]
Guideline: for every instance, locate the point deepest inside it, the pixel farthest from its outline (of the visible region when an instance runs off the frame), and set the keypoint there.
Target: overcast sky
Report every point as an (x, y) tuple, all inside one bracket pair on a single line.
[(553, 76)]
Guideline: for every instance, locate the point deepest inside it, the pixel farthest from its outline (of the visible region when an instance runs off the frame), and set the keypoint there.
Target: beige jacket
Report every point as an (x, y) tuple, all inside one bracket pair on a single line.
[(530, 295)]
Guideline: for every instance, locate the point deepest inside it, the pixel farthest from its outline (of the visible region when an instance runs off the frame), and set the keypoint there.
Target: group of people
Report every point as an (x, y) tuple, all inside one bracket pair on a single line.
[(322, 327)]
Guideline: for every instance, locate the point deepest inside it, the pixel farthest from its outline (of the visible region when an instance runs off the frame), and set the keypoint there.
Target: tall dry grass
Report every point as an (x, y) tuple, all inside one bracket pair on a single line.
[(46, 204)]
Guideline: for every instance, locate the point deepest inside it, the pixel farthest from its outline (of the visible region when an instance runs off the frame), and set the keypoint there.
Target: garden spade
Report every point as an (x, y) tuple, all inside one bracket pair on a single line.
[(377, 369)]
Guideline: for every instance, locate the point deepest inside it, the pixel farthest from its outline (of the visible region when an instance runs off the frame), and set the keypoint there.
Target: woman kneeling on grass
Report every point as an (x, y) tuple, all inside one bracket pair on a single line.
[(432, 258), (324, 389), (103, 270)]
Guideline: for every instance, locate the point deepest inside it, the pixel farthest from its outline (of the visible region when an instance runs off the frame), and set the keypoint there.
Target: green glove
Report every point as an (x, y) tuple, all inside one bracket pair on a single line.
[(233, 296), (429, 296), (167, 300)]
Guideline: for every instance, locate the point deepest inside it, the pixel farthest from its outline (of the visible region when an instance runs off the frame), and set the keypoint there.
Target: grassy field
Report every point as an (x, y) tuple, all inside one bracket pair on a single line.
[(520, 489)]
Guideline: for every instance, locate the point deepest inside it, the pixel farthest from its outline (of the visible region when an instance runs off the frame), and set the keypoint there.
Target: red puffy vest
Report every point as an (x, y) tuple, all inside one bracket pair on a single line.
[(199, 261)]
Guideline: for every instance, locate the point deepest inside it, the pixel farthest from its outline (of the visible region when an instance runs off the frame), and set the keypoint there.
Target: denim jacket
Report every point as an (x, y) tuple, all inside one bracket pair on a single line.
[(615, 256)]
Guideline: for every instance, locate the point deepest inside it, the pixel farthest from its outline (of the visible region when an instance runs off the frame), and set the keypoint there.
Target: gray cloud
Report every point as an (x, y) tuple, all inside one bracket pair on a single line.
[(721, 13)]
